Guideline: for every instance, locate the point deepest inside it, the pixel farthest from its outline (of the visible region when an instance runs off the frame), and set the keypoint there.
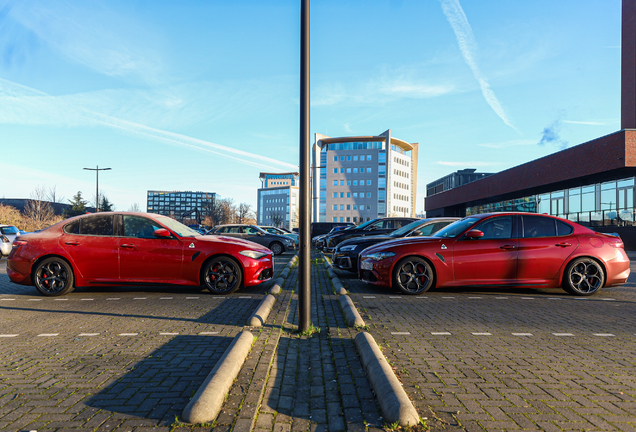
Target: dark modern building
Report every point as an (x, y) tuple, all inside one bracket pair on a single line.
[(592, 183), (454, 180), (181, 205)]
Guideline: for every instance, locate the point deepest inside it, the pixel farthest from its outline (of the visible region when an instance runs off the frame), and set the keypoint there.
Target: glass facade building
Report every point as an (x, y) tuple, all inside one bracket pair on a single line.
[(278, 200), (180, 205)]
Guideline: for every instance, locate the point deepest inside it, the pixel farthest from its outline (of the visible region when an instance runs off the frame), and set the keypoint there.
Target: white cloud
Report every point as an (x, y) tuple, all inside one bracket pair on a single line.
[(592, 123), (468, 47)]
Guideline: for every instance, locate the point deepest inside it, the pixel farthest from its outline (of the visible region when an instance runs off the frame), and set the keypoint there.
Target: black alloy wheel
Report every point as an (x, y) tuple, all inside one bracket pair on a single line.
[(583, 277), (413, 276), (222, 275), (53, 277), (277, 248)]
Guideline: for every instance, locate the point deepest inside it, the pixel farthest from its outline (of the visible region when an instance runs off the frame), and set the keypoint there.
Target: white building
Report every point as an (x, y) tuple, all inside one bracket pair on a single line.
[(278, 200)]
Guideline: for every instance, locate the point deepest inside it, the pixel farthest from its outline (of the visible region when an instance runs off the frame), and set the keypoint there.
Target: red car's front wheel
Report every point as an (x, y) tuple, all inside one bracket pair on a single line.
[(413, 275)]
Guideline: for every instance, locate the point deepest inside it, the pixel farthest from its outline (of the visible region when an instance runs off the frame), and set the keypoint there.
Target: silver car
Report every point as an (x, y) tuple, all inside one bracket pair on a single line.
[(5, 246)]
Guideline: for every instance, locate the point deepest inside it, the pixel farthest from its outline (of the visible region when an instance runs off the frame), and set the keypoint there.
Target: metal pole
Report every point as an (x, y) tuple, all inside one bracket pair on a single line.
[(97, 169), (304, 249)]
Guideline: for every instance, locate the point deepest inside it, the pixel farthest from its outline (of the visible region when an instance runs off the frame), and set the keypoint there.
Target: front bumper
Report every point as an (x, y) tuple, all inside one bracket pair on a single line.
[(345, 261)]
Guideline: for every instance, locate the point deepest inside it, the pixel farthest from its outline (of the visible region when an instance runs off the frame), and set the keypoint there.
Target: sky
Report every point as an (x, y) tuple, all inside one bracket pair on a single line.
[(204, 95)]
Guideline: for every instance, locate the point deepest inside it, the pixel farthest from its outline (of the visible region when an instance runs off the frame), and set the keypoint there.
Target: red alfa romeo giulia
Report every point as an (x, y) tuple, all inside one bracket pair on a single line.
[(505, 249), (114, 248)]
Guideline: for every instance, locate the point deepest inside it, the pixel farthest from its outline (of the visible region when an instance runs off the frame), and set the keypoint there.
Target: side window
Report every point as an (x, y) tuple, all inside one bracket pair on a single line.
[(140, 227), (97, 225), (402, 222), (377, 225), (538, 226), (496, 228), (389, 224), (249, 230), (72, 228), (427, 229), (563, 229), (233, 230)]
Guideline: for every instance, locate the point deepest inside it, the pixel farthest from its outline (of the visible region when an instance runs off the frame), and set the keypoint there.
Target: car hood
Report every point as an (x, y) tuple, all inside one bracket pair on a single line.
[(405, 242), (223, 239)]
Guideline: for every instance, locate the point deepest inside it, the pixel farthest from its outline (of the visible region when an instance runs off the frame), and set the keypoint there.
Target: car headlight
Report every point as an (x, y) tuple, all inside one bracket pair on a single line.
[(253, 254), (379, 256), (348, 248)]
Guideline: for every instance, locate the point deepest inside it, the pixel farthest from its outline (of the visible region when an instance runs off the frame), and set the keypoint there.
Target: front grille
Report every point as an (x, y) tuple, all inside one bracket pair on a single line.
[(344, 263), (368, 275)]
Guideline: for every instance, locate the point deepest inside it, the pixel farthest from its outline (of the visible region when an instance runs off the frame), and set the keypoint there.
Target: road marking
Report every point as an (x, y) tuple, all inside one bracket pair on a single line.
[(169, 334), (5, 299), (191, 298), (562, 334), (482, 334), (368, 296), (522, 334), (245, 297), (527, 298), (128, 334), (34, 300), (604, 334), (608, 299), (87, 299), (449, 297), (400, 333), (113, 298), (8, 335), (61, 299), (554, 298), (208, 333), (581, 298), (48, 334), (440, 333), (474, 297), (139, 298), (501, 298), (88, 334), (166, 298)]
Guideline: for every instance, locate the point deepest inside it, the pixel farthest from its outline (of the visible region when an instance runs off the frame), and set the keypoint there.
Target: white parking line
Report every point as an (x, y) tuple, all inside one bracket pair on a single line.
[(8, 335), (208, 333), (563, 334), (527, 298), (166, 298), (114, 298), (128, 334), (169, 334), (139, 298), (395, 296), (400, 333), (449, 297), (6, 299), (474, 297), (522, 334), (608, 299), (88, 334), (245, 297), (440, 333), (191, 298), (554, 298), (34, 300), (501, 298), (368, 296), (87, 299), (581, 298), (482, 334), (61, 299), (48, 334), (603, 334)]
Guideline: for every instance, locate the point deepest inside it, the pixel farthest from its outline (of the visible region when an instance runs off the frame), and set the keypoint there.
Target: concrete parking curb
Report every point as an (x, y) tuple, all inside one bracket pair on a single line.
[(259, 316), (208, 400), (349, 310), (285, 272), (341, 291), (394, 402), (278, 283)]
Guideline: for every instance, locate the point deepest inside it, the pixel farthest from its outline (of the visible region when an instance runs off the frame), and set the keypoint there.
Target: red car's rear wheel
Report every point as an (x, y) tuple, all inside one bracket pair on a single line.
[(53, 277), (583, 277), (413, 275)]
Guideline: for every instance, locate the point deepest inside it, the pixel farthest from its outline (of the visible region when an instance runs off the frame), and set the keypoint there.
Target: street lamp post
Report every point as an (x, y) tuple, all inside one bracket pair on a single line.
[(97, 169)]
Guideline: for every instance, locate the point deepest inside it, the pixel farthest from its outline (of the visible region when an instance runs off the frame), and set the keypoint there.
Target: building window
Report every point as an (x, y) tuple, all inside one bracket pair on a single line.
[(341, 194), (348, 206), (335, 182), (341, 182), (335, 194), (368, 194), (348, 194), (335, 159), (335, 206), (368, 182), (355, 182), (368, 157), (335, 170), (341, 206), (355, 158), (348, 158)]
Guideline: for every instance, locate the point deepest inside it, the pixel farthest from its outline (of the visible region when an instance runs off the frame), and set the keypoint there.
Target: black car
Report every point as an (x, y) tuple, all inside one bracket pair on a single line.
[(345, 255), (276, 243), (320, 228), (370, 228)]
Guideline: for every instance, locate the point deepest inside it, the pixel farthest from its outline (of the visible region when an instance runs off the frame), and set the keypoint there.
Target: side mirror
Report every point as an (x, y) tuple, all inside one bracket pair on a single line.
[(162, 232), (415, 233), (474, 234)]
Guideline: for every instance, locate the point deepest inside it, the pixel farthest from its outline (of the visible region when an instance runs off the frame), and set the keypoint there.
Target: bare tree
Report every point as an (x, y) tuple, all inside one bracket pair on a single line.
[(53, 196), (244, 213), (38, 212), (134, 208), (277, 218), (228, 211)]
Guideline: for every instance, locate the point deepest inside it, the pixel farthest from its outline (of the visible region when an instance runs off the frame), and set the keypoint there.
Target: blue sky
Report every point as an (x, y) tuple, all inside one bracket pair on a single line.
[(203, 95)]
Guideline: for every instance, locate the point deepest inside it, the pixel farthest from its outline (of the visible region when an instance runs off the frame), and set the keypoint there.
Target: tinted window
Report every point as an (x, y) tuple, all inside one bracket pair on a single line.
[(538, 226), (140, 227), (233, 230), (72, 228), (9, 230), (426, 230), (250, 230), (97, 225), (563, 228), (496, 228), (389, 224)]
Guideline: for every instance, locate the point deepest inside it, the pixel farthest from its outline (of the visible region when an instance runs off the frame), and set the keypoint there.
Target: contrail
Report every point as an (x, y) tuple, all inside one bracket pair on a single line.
[(468, 47)]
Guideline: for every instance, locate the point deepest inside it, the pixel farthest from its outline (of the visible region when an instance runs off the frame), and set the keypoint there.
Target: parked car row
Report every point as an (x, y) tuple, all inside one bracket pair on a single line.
[(275, 242)]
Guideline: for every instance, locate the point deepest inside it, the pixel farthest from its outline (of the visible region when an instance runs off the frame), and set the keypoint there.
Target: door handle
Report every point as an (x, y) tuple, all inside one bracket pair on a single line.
[(508, 247), (563, 245), (73, 243), (129, 246)]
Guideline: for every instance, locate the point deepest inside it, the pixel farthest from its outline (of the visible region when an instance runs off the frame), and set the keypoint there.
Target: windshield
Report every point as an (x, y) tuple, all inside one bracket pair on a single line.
[(9, 230), (178, 227), (366, 224), (456, 228), (406, 229)]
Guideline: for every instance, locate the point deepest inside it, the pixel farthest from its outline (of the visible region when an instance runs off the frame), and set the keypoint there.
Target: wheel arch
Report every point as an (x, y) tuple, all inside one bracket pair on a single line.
[(37, 262)]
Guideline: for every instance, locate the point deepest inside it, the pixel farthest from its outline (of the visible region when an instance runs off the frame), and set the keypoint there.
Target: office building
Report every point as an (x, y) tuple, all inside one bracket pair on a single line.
[(181, 205), (277, 200)]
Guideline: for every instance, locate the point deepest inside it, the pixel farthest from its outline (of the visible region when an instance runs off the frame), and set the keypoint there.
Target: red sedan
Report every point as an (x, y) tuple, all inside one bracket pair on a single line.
[(113, 248), (505, 249)]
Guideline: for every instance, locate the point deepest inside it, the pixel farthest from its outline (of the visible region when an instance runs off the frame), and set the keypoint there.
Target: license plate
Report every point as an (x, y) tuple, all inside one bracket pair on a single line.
[(366, 265)]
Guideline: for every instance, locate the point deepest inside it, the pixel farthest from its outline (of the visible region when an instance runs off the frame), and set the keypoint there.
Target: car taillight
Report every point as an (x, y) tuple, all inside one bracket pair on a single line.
[(18, 243), (4, 239), (617, 244)]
